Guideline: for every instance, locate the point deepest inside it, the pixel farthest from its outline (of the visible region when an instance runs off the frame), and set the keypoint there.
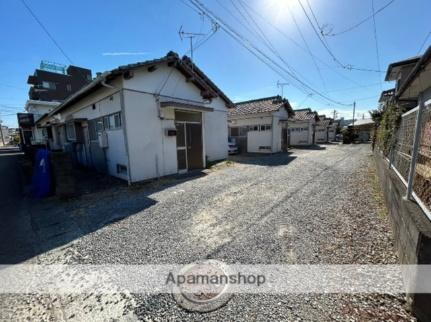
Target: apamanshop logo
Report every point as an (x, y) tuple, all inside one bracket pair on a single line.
[(204, 286), (215, 279)]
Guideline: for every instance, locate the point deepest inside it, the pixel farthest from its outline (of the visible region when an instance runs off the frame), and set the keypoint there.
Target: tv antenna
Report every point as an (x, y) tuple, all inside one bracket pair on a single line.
[(183, 34), (279, 84)]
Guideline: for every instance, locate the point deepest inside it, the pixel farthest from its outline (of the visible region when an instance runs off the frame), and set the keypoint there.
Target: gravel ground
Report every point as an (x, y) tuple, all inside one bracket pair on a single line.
[(316, 206)]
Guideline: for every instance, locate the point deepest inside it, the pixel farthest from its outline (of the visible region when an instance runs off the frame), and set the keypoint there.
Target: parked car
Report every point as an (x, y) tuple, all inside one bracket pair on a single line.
[(232, 147)]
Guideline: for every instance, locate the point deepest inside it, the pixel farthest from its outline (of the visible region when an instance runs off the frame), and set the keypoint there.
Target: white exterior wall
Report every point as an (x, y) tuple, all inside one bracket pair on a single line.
[(331, 133), (256, 139), (267, 138), (151, 152), (321, 134), (116, 152), (141, 143), (301, 137)]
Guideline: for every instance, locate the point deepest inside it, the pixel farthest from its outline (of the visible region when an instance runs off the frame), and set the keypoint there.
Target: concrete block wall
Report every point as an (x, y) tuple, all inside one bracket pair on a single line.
[(411, 229)]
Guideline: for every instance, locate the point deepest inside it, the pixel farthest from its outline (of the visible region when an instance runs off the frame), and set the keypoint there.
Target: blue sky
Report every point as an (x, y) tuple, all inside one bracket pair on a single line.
[(101, 35)]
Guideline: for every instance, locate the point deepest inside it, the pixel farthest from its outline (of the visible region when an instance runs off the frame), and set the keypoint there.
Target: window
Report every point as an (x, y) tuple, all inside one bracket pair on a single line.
[(69, 87), (104, 123), (48, 85), (265, 127), (70, 131), (121, 169), (99, 125), (117, 122)]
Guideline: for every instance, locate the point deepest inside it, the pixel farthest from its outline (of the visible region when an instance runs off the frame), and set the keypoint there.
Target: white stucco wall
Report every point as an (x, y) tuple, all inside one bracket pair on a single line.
[(301, 137), (151, 152), (143, 145), (256, 139), (106, 101), (321, 134)]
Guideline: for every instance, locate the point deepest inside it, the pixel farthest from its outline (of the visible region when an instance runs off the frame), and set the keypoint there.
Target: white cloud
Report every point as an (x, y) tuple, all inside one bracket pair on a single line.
[(126, 53), (347, 114)]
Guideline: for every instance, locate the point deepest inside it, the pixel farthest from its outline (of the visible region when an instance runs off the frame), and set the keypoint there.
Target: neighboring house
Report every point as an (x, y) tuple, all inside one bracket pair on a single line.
[(144, 120), (332, 131), (322, 129), (301, 127), (260, 125), (4, 135), (51, 84), (416, 84), (363, 129), (30, 134)]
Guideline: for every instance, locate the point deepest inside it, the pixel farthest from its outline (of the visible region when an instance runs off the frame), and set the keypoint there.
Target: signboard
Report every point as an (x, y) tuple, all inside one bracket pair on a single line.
[(25, 119)]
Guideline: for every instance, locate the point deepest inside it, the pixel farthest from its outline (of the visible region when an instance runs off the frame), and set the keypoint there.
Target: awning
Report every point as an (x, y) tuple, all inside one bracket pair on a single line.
[(186, 106)]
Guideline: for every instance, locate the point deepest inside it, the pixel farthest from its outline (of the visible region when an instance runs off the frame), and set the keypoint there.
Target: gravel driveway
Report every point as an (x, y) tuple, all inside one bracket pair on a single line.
[(309, 206)]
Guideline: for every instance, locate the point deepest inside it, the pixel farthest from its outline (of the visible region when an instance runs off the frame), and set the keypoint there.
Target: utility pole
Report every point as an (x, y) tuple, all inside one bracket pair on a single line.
[(354, 107), (279, 84), (189, 35), (335, 114), (1, 131)]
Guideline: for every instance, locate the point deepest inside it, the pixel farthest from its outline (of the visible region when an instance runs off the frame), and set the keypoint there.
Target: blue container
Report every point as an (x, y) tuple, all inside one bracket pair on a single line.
[(42, 180)]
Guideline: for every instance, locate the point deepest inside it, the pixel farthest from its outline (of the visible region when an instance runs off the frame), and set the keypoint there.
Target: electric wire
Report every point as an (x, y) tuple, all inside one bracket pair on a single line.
[(259, 54)]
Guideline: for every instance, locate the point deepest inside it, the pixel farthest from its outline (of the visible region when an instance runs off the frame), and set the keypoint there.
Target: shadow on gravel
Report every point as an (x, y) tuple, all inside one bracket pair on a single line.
[(272, 160), (310, 147), (53, 222)]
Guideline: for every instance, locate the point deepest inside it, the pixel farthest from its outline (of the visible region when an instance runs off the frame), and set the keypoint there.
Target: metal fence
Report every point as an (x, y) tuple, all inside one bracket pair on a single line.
[(414, 165)]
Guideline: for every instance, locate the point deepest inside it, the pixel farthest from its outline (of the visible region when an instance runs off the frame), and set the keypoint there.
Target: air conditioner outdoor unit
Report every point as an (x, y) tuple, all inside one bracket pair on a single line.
[(103, 140)]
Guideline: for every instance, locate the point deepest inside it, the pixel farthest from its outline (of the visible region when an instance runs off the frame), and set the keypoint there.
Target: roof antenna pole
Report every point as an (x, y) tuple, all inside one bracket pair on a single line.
[(183, 34), (279, 84)]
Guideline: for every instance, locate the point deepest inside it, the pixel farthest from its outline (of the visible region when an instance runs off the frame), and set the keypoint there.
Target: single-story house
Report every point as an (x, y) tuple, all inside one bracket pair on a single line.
[(322, 129), (332, 131), (29, 132), (144, 120), (260, 125), (363, 129), (302, 126)]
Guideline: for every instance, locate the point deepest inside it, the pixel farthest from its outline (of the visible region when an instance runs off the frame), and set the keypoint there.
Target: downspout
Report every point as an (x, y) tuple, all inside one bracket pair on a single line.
[(126, 141), (161, 117), (124, 125), (272, 134)]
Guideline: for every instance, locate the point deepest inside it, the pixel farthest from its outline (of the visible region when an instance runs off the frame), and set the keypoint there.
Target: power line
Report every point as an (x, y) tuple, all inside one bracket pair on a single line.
[(257, 31), (299, 46), (307, 47), (258, 53), (326, 46), (355, 87), (424, 42), (362, 21), (46, 31), (376, 41)]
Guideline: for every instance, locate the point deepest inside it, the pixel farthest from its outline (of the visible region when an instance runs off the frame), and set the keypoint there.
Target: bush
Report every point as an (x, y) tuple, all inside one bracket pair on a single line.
[(390, 121)]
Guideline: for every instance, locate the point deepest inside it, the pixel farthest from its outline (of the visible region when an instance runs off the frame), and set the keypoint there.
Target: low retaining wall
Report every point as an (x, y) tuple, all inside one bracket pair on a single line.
[(411, 229)]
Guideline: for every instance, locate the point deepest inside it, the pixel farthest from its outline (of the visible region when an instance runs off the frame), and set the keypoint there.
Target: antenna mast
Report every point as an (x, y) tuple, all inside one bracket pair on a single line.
[(183, 34), (279, 84)]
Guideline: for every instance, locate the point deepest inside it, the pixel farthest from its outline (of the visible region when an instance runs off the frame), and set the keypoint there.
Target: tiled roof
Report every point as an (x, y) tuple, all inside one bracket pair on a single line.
[(304, 115), (261, 105), (183, 64), (324, 123)]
